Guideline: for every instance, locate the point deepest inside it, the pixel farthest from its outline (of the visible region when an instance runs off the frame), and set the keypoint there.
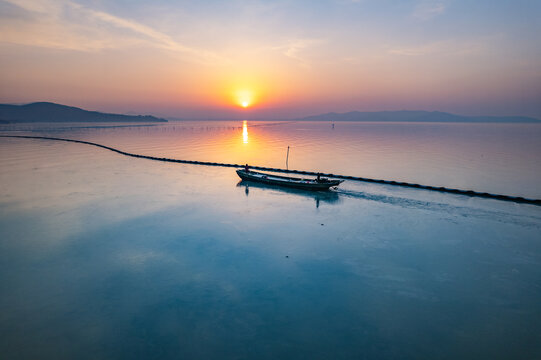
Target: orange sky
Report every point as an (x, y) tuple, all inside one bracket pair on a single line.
[(203, 60)]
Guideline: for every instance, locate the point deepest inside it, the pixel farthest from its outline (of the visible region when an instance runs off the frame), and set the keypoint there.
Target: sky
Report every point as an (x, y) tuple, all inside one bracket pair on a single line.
[(273, 59)]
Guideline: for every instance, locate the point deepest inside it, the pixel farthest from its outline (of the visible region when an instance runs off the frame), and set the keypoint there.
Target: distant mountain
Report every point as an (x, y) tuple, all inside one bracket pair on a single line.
[(416, 116), (51, 112)]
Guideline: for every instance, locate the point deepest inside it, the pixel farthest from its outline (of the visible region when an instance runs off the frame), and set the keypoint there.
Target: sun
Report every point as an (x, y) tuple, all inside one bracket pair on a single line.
[(244, 98)]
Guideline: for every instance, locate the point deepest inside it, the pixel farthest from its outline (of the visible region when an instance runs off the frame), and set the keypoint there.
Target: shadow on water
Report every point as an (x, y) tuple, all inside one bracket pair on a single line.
[(329, 197)]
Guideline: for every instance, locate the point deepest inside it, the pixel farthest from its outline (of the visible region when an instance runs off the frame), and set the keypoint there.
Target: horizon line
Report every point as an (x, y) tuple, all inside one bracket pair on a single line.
[(240, 117)]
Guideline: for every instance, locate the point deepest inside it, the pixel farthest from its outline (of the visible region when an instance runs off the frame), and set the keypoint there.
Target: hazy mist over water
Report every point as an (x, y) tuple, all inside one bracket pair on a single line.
[(106, 256)]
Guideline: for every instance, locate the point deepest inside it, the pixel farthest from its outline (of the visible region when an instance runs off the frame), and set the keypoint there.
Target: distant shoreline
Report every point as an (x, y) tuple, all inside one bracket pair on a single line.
[(417, 116), (534, 121), (405, 116), (47, 112)]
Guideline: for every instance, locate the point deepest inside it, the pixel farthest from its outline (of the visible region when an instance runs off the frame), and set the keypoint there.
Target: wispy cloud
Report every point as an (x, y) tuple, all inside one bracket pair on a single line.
[(426, 10), (447, 47), (68, 25), (293, 48)]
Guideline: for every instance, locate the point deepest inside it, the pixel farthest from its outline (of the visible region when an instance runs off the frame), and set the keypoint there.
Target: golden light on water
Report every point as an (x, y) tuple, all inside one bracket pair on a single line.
[(245, 132)]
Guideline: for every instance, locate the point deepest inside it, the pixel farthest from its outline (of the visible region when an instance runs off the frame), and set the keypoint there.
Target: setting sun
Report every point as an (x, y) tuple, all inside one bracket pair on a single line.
[(244, 98)]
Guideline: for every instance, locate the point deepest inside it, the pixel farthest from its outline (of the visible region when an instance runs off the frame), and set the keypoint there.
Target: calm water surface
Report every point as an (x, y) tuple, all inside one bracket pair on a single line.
[(498, 158), (104, 256)]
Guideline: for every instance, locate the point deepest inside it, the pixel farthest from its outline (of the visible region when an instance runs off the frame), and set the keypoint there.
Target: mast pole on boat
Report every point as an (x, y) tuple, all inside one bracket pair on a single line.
[(287, 158)]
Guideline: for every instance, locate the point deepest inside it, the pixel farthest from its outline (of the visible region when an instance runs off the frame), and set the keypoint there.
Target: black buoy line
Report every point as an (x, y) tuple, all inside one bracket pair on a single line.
[(516, 199)]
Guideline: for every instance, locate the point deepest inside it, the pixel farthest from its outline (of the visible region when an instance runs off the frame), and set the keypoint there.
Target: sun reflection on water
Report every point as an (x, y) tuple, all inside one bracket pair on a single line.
[(245, 132)]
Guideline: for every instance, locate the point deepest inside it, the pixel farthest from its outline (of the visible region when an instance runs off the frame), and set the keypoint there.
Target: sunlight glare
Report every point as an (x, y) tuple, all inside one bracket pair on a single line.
[(245, 132), (244, 98)]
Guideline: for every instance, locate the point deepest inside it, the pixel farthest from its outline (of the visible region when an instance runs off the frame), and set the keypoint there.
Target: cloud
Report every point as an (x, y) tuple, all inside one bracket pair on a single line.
[(426, 10), (447, 47), (68, 25), (294, 47)]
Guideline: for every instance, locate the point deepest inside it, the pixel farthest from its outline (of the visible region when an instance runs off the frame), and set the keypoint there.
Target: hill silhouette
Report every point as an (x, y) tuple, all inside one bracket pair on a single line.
[(415, 116), (51, 112)]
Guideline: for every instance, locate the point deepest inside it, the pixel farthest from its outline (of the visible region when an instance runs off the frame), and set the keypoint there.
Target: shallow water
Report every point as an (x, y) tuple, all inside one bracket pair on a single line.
[(105, 256), (498, 158)]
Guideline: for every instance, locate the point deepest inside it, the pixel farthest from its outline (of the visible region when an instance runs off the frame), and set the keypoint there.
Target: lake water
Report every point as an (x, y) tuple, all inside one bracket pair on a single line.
[(105, 256), (498, 158)]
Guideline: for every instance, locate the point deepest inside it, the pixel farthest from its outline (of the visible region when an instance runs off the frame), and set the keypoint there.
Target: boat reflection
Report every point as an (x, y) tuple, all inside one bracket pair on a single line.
[(329, 197)]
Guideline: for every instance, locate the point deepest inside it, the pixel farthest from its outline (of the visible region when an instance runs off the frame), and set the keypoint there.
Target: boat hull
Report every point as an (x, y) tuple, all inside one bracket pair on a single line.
[(298, 183)]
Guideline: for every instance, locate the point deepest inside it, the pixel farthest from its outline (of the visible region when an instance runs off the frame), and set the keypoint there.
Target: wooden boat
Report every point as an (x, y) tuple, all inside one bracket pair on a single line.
[(299, 183)]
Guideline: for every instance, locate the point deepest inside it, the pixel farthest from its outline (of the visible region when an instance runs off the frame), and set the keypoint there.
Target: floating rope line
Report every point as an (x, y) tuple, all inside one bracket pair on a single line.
[(516, 199)]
